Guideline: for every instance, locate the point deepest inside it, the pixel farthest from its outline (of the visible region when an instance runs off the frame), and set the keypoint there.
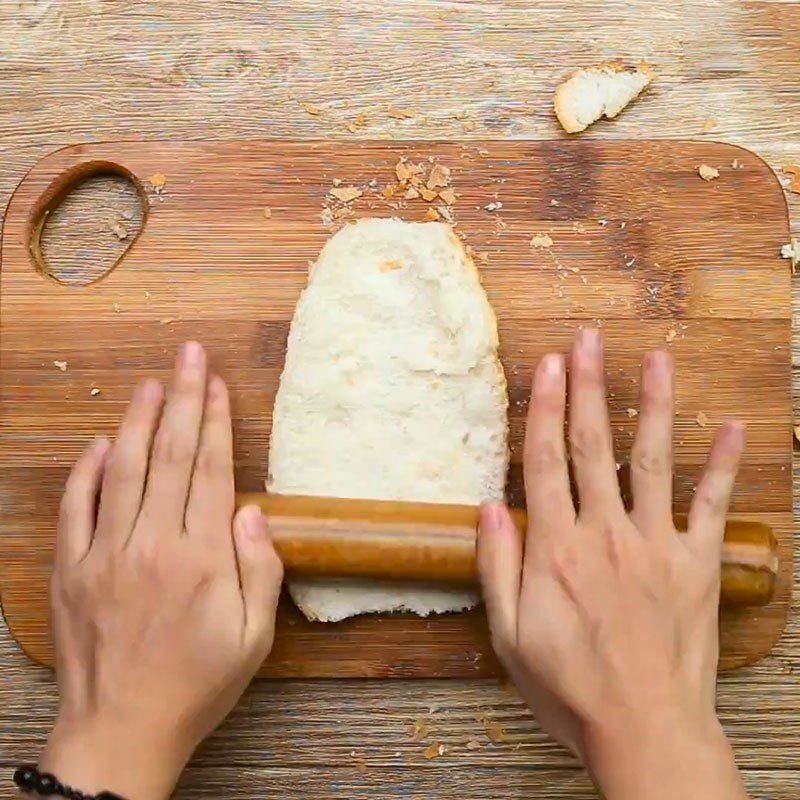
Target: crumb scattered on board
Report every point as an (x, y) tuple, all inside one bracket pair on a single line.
[(434, 750), (158, 181), (62, 365), (419, 730), (345, 194), (312, 109), (119, 230), (495, 205), (94, 391), (495, 731), (794, 171), (632, 412), (670, 335), (400, 113), (792, 252), (473, 744), (267, 212), (541, 241), (707, 173), (701, 419)]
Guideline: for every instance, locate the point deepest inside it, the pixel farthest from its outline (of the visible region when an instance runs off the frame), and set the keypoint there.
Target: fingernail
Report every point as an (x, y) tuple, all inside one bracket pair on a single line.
[(191, 354), (553, 365), (251, 520), (101, 445), (216, 387), (490, 515), (590, 341), (658, 361), (151, 390)]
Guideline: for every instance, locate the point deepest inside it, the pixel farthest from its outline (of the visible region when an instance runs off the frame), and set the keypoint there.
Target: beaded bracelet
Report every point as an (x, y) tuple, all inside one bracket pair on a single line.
[(29, 779)]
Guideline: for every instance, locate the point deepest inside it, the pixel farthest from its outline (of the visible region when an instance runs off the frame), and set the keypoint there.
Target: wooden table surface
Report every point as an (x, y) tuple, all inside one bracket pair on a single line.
[(87, 70)]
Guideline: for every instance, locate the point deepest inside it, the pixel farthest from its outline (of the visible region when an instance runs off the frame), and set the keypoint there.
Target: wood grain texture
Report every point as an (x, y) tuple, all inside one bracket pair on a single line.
[(623, 255), (80, 71)]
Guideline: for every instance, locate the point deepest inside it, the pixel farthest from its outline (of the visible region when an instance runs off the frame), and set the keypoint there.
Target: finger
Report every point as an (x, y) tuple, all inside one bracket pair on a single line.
[(175, 445), (126, 465), (211, 498), (590, 440), (500, 571), (547, 488), (706, 524), (76, 517), (651, 456), (260, 576)]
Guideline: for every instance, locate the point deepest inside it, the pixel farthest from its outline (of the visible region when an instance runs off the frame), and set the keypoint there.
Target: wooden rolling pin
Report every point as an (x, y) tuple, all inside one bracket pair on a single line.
[(324, 536)]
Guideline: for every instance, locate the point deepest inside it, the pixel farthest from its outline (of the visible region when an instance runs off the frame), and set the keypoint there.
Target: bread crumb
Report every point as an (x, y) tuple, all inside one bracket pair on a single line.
[(439, 177), (158, 181), (419, 729), (495, 731), (62, 365), (428, 195), (541, 241), (483, 257), (411, 193), (707, 173), (493, 206), (400, 113), (94, 391), (345, 193), (119, 230), (267, 212), (434, 750), (554, 202), (310, 108), (603, 90), (794, 171), (473, 744), (390, 266), (483, 152), (670, 337), (792, 252), (701, 419), (326, 215), (389, 190), (632, 412), (432, 215), (446, 213), (448, 196), (736, 164)]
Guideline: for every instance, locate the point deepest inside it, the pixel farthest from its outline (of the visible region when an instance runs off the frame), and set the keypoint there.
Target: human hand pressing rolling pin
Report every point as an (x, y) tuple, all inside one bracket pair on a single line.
[(163, 602), (607, 622)]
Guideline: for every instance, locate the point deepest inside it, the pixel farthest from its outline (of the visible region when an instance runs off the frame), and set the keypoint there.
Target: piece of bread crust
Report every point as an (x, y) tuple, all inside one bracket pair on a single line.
[(599, 91)]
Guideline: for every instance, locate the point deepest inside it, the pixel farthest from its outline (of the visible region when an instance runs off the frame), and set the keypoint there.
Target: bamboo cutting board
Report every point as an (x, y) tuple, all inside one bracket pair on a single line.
[(640, 244)]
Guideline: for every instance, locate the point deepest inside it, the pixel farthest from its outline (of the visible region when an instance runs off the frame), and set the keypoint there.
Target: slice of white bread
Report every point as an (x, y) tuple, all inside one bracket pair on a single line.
[(392, 389), (601, 91)]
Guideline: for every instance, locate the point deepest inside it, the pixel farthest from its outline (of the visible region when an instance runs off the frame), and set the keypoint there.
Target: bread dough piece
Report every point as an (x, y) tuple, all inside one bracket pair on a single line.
[(601, 91), (391, 390)]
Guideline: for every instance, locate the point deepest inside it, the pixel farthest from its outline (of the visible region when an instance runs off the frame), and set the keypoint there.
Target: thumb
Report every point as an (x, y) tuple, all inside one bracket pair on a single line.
[(260, 574), (500, 571)]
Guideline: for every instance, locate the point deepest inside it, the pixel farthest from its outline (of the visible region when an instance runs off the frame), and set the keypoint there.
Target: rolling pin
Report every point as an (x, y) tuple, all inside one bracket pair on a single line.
[(321, 536)]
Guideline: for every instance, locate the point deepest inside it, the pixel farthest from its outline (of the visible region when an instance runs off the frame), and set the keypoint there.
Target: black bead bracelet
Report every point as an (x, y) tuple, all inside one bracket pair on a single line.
[(30, 780)]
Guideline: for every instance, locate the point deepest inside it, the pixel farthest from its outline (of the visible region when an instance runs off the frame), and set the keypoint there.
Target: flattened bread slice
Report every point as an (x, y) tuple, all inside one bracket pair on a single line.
[(392, 389), (601, 91)]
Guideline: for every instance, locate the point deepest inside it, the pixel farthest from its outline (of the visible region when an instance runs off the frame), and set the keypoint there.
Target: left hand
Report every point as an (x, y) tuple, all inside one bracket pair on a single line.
[(163, 603)]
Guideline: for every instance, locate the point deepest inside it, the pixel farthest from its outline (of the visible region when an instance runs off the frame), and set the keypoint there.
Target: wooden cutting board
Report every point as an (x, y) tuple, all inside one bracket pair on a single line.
[(640, 243)]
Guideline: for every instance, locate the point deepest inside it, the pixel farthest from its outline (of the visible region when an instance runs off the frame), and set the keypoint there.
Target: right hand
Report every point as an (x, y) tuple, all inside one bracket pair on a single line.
[(607, 622)]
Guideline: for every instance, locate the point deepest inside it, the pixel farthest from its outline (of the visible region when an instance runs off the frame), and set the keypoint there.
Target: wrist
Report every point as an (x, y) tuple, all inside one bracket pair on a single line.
[(663, 755), (100, 755)]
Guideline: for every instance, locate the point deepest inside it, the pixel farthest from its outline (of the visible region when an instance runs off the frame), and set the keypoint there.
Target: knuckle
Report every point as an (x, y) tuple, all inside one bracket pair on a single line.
[(651, 461), (545, 456), (172, 448), (587, 442), (712, 502), (210, 464), (125, 464)]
